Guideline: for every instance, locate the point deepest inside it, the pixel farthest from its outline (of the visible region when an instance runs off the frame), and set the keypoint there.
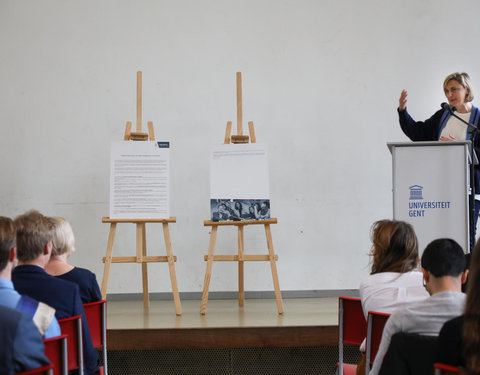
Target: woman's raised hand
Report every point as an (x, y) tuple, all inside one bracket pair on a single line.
[(402, 102)]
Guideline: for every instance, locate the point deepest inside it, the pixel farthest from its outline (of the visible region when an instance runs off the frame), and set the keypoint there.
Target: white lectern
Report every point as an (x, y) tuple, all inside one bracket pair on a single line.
[(430, 189)]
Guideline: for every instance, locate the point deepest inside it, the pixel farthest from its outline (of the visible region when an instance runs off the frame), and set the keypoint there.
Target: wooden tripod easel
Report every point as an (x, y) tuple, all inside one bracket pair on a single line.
[(141, 246), (241, 257)]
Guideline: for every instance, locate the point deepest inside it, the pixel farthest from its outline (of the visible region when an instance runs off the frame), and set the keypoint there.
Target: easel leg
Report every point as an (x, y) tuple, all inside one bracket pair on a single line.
[(208, 272), (108, 259), (141, 253), (273, 265), (241, 263), (171, 268)]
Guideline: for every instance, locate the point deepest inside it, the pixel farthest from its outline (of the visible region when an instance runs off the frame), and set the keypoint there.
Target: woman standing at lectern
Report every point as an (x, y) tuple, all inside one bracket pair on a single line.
[(442, 126)]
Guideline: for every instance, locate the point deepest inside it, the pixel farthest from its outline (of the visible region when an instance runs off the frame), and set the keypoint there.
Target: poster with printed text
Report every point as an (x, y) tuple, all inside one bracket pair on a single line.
[(139, 180)]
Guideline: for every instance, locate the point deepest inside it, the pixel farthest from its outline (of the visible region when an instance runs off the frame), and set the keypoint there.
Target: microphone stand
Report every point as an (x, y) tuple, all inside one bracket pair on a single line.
[(473, 131)]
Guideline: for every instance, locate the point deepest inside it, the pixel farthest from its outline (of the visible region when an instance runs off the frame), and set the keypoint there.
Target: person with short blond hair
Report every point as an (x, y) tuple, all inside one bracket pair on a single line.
[(34, 248), (63, 246)]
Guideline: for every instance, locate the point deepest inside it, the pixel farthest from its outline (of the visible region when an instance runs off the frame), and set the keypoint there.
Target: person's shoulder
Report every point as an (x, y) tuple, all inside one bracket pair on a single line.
[(415, 277), (83, 271), (7, 314), (62, 284), (455, 322)]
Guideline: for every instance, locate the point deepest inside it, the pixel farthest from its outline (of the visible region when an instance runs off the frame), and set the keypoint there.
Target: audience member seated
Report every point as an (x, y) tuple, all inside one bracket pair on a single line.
[(443, 267), (21, 345), (43, 316), (410, 354), (63, 246), (459, 339), (34, 247), (394, 279)]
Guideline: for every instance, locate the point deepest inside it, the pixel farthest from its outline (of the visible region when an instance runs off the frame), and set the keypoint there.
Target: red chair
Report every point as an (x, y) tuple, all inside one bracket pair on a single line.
[(352, 329), (56, 352), (72, 327), (96, 313), (375, 323), (441, 369), (44, 370)]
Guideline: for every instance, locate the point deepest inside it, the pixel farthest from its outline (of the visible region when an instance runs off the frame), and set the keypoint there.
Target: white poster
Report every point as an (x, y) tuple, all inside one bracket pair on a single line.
[(139, 180), (239, 187)]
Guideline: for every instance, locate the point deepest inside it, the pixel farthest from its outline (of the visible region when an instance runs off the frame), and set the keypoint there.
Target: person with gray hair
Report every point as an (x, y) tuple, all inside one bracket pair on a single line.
[(34, 247), (63, 247)]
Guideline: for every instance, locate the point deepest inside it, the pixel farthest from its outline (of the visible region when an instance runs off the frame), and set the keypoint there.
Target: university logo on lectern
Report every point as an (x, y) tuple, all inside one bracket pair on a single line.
[(416, 192)]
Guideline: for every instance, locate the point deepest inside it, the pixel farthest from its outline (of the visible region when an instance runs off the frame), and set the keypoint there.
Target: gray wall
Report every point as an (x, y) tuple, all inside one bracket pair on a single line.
[(321, 82)]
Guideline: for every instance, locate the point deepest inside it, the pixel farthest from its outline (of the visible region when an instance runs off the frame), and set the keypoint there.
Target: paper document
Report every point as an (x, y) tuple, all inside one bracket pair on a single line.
[(239, 187), (139, 180)]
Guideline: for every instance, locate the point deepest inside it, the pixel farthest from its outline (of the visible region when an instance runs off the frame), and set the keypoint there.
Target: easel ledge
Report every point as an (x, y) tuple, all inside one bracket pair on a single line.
[(171, 219), (207, 223)]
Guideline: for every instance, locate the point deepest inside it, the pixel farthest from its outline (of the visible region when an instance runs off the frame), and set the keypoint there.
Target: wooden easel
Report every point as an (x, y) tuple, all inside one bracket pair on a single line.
[(141, 246), (241, 257)]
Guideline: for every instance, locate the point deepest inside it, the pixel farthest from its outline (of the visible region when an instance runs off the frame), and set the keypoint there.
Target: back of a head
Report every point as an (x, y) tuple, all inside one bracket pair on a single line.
[(444, 257), (7, 240), (395, 247), (63, 238), (34, 231)]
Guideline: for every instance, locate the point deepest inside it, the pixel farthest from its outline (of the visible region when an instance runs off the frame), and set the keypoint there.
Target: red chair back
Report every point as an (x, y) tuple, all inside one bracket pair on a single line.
[(72, 327), (441, 369), (44, 370), (96, 313), (56, 352), (351, 321), (352, 328), (375, 322)]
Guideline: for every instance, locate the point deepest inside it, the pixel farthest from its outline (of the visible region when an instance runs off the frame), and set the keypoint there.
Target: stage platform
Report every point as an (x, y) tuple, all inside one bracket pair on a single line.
[(305, 322), (228, 339)]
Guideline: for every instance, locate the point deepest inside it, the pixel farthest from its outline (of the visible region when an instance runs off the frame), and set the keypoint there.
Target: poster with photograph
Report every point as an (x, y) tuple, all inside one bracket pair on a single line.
[(139, 180), (239, 185)]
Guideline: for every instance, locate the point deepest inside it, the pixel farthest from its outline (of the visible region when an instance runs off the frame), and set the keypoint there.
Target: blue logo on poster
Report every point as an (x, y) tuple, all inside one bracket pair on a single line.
[(416, 192)]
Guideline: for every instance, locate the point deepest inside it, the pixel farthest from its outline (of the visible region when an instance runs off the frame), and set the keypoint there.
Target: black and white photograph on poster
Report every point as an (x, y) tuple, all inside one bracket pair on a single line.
[(240, 209), (239, 186)]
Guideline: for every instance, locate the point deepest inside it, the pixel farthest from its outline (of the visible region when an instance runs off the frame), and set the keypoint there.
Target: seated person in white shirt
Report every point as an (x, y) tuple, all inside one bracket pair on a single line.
[(394, 279), (443, 268)]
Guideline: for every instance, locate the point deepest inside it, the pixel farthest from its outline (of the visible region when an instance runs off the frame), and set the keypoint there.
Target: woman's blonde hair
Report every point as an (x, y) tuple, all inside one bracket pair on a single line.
[(464, 80), (63, 238)]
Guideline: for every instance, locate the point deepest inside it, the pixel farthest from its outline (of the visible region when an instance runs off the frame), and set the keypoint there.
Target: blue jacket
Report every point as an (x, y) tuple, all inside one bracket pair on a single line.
[(63, 296), (430, 130), (21, 345)]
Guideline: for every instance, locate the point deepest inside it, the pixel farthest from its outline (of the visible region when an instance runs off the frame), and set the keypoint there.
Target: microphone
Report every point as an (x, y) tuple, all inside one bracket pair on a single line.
[(448, 107)]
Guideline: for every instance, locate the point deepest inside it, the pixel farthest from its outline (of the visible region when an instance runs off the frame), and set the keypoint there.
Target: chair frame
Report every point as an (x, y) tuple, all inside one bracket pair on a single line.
[(374, 318), (78, 326), (44, 370), (64, 354), (341, 312), (103, 306), (443, 369)]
